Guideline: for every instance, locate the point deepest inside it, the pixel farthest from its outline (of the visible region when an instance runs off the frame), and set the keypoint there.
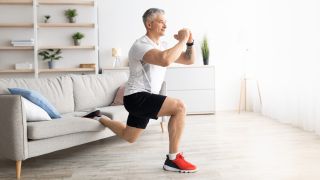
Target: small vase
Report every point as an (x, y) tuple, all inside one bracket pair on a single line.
[(72, 19), (51, 64), (116, 62), (76, 42), (206, 61)]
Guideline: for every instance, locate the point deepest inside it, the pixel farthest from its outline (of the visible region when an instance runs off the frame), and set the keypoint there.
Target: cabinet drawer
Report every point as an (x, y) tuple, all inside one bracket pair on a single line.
[(190, 78), (197, 101)]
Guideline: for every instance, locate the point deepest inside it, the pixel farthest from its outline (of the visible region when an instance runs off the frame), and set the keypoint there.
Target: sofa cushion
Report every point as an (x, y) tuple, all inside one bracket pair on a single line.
[(58, 90), (34, 112), (75, 114), (118, 99), (4, 89), (115, 112), (61, 126), (93, 91), (37, 99)]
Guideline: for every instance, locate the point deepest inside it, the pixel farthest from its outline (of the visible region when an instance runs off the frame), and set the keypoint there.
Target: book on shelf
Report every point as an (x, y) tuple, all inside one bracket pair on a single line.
[(23, 42), (22, 66)]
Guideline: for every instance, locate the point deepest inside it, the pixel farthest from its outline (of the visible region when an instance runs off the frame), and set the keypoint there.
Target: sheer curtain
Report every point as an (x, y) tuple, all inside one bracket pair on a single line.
[(286, 61)]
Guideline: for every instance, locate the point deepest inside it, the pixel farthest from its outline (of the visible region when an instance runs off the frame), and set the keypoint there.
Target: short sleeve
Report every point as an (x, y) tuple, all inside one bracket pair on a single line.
[(140, 49)]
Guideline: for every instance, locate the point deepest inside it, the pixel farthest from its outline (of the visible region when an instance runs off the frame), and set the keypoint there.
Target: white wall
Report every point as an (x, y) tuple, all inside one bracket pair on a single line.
[(288, 53)]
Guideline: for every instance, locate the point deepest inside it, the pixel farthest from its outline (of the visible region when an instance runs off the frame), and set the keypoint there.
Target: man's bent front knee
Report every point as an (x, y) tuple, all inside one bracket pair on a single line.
[(180, 107)]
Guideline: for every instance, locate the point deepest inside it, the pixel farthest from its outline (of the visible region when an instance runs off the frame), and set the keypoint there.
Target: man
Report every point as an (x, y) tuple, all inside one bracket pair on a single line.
[(148, 59)]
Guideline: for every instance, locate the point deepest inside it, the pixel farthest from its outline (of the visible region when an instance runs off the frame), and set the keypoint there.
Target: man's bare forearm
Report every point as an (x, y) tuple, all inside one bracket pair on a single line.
[(189, 54), (172, 54)]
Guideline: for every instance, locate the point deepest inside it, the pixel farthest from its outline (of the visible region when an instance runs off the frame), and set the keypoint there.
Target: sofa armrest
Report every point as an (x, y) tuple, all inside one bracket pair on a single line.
[(13, 128)]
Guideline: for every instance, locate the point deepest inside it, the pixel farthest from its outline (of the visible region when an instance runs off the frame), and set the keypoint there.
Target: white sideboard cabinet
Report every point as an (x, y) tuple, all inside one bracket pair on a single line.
[(194, 85)]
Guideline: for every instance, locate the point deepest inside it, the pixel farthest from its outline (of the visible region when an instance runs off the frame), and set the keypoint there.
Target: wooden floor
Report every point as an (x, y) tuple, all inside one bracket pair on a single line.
[(226, 146)]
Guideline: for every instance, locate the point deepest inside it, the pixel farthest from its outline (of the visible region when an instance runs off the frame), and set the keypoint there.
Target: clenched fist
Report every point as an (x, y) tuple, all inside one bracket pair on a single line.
[(183, 35)]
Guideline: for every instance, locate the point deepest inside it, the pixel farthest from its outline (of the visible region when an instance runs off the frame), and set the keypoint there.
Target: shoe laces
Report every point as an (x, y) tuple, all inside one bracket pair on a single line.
[(180, 156)]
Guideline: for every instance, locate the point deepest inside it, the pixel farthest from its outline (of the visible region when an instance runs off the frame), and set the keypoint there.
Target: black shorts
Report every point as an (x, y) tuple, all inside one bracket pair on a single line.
[(142, 106)]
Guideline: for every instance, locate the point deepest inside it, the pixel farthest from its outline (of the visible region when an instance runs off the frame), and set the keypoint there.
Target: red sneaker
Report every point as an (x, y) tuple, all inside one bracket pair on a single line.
[(179, 165)]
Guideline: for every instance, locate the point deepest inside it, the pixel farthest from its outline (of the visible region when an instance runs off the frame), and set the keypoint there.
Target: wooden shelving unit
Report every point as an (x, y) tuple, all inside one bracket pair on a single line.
[(16, 2), (68, 47), (67, 70), (66, 2), (16, 71), (4, 48), (66, 25), (36, 27), (16, 25)]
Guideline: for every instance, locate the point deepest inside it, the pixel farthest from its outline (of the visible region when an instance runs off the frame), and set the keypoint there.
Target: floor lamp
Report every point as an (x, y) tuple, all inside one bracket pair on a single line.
[(243, 93)]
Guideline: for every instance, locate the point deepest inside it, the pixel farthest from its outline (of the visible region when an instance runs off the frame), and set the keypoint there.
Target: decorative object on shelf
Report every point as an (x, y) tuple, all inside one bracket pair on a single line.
[(46, 18), (205, 50), (51, 55), (116, 53), (71, 15), (77, 37), (87, 66), (22, 42), (21, 66)]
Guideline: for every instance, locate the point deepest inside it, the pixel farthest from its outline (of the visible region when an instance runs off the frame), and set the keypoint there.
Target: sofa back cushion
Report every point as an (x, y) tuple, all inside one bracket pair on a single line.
[(58, 90), (93, 91)]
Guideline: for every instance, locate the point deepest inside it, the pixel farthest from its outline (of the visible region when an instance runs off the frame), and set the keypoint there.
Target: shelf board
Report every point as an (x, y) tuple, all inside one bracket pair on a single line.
[(16, 2), (116, 68), (67, 70), (16, 25), (67, 2), (16, 47), (67, 47), (16, 70), (59, 25)]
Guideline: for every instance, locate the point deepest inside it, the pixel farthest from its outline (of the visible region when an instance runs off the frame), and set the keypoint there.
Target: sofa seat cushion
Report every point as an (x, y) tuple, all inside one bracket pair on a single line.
[(76, 114), (62, 126), (115, 112)]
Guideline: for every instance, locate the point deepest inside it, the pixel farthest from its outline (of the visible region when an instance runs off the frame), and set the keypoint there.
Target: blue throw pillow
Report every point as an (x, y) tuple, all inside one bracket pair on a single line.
[(37, 99)]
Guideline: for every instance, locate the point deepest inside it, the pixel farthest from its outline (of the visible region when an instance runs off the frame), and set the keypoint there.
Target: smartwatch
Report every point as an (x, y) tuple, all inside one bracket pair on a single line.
[(190, 44)]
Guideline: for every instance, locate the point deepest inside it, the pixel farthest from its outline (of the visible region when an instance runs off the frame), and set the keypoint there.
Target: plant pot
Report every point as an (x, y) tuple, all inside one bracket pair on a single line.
[(77, 42), (51, 64), (206, 61), (72, 19)]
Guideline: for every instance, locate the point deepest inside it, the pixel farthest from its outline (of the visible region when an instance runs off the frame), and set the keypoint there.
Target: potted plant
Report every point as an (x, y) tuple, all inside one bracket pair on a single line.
[(77, 37), (71, 14), (205, 51), (51, 55), (46, 18)]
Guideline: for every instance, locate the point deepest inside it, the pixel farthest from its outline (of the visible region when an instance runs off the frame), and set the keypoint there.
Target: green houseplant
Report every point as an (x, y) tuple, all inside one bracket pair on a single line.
[(51, 55), (77, 37), (205, 50), (71, 15)]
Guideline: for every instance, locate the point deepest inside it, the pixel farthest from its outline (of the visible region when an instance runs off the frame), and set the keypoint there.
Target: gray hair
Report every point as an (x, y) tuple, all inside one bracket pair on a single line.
[(150, 13)]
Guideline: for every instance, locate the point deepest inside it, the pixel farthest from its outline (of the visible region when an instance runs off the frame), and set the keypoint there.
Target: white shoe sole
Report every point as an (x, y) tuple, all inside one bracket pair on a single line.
[(168, 168)]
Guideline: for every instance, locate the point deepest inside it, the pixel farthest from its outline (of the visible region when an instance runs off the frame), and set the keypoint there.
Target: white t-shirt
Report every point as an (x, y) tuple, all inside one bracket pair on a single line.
[(144, 77)]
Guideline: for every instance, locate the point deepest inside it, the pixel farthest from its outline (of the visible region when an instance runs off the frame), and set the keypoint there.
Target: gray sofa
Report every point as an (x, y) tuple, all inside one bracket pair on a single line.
[(73, 96)]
